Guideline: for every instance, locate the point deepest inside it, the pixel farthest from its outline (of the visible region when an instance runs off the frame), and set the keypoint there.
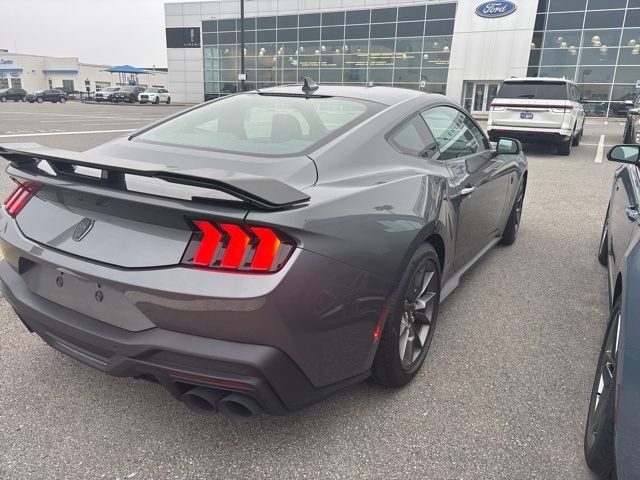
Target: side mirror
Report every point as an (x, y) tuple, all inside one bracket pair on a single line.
[(508, 146), (634, 111), (624, 154)]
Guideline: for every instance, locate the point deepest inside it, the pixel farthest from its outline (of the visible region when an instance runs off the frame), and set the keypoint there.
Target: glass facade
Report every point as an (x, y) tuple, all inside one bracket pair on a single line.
[(595, 43), (403, 46)]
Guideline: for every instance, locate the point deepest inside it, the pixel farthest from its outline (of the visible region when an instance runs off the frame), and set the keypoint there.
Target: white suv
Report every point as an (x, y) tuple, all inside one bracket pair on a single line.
[(155, 95), (545, 110)]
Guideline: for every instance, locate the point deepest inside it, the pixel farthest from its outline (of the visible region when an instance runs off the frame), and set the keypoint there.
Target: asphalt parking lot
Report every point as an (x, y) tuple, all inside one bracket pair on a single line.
[(503, 393)]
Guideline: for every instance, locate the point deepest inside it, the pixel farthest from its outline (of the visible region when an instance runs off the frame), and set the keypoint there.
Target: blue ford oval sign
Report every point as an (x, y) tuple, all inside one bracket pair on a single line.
[(500, 8)]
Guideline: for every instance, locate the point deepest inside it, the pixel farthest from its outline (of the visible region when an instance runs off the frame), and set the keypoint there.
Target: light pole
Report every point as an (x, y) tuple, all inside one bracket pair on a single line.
[(242, 75)]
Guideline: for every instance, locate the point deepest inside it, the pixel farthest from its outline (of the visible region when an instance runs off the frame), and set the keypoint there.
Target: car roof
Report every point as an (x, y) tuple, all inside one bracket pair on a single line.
[(537, 79), (385, 95)]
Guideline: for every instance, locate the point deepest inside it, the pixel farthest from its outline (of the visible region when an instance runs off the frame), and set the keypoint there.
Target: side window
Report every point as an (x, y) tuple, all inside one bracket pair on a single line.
[(455, 133), (413, 138), (575, 93)]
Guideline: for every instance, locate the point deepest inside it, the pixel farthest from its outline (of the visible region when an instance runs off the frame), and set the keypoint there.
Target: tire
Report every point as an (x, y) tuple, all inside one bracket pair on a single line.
[(30, 101), (510, 232), (603, 249), (408, 330), (168, 100), (626, 136), (3, 99), (599, 435), (63, 100), (576, 140), (16, 99), (564, 148), (156, 101), (39, 99)]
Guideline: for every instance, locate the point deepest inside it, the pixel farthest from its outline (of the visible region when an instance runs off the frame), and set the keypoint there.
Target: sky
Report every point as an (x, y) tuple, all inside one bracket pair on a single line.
[(110, 32)]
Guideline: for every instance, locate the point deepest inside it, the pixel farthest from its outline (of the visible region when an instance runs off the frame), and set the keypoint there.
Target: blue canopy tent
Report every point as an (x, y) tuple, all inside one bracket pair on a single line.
[(127, 74)]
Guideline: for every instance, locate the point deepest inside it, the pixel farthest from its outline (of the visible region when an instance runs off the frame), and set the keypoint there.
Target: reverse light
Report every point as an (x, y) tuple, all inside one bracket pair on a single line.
[(245, 248), (20, 196)]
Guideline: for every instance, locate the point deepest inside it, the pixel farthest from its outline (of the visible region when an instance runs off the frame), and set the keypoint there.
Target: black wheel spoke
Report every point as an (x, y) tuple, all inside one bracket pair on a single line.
[(418, 342), (422, 318)]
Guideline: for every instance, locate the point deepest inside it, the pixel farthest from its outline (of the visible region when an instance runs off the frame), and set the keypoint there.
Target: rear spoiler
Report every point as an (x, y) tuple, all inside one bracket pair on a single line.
[(261, 192)]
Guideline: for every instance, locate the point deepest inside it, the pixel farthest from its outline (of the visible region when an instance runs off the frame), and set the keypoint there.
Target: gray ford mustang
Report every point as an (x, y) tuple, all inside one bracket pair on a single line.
[(260, 251)]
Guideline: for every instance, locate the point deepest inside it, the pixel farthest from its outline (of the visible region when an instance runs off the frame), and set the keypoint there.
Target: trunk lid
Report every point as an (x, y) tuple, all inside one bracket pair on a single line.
[(529, 113), (147, 224), (531, 103)]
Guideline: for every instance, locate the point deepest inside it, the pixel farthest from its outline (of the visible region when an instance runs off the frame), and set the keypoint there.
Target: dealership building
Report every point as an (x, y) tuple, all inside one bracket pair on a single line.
[(36, 72), (460, 49)]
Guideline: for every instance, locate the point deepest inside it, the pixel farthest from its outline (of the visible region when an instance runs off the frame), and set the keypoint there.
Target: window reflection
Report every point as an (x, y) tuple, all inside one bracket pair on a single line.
[(604, 58), (384, 45)]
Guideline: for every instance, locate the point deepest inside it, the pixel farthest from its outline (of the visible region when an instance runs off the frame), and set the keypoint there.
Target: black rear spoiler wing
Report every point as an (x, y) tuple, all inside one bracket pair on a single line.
[(261, 192)]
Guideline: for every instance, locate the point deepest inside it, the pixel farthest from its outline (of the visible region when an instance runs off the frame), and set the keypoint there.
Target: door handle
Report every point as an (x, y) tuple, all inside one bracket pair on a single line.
[(632, 213), (467, 191)]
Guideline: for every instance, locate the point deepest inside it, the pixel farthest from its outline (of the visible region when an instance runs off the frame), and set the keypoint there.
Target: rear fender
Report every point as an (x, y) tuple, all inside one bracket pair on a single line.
[(372, 223)]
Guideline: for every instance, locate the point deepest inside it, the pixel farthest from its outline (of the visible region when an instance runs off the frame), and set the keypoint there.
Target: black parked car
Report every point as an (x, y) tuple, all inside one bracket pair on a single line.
[(619, 107), (612, 434), (632, 127), (53, 96), (15, 94), (127, 94)]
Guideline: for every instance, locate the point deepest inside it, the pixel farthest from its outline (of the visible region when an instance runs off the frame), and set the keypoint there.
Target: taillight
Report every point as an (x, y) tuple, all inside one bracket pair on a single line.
[(245, 248), (20, 196)]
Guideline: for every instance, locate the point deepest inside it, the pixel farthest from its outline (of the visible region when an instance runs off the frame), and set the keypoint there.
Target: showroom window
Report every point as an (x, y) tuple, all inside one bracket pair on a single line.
[(407, 46), (595, 43)]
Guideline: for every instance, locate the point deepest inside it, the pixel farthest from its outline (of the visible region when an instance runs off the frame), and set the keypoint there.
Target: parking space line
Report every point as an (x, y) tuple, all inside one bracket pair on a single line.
[(81, 132), (600, 151)]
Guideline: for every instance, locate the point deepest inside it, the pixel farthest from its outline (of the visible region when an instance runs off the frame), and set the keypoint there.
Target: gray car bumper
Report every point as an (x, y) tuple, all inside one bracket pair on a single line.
[(176, 360)]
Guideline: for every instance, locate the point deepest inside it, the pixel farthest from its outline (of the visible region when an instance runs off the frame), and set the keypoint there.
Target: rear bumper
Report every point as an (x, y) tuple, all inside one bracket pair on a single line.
[(295, 336), (524, 135), (176, 360)]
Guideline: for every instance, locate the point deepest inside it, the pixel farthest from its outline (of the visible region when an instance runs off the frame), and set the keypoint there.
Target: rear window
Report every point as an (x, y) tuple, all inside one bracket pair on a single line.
[(534, 90), (263, 125)]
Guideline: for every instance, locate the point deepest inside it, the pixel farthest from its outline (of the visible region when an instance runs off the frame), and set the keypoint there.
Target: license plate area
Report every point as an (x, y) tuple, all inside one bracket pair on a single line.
[(86, 297), (526, 115)]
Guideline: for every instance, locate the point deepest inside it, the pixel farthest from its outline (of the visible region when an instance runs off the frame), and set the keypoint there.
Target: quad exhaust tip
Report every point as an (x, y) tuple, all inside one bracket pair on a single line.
[(209, 401)]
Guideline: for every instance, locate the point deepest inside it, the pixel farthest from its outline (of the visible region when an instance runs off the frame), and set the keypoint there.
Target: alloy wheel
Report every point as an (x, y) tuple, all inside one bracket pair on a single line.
[(417, 316), (606, 375)]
